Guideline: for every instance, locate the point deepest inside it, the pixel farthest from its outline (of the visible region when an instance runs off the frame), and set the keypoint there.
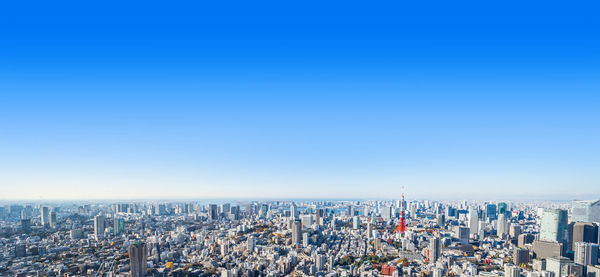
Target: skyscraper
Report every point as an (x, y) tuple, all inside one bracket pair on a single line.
[(582, 232), (586, 253), (45, 216), (502, 225), (296, 231), (293, 211), (511, 271), (554, 226), (490, 212), (585, 211), (435, 249), (99, 226), (502, 208), (53, 219), (118, 225), (356, 222), (473, 220), (213, 212), (462, 233), (520, 256), (138, 254), (250, 243), (319, 216)]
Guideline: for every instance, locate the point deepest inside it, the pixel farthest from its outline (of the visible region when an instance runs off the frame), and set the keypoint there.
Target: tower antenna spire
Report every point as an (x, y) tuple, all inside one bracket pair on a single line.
[(402, 222)]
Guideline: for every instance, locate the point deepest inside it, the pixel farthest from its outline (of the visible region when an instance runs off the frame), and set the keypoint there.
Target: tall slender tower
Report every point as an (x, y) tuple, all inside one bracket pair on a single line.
[(402, 223)]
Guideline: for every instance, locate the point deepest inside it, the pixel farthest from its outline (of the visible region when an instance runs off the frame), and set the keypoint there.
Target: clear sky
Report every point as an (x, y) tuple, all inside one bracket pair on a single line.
[(299, 99)]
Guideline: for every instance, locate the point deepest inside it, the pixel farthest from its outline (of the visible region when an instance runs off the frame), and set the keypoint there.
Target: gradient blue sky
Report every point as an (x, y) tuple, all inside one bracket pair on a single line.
[(299, 99)]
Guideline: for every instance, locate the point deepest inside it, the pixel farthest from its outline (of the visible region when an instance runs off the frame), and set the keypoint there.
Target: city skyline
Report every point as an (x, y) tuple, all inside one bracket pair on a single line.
[(208, 100)]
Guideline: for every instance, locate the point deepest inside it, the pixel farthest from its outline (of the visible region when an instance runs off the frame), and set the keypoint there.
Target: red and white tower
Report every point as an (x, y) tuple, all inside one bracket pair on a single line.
[(401, 223)]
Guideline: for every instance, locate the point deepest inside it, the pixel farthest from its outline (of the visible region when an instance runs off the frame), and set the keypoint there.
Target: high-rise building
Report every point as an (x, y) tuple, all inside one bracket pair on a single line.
[(462, 233), (561, 266), (514, 230), (582, 232), (99, 226), (355, 222), (490, 212), (45, 216), (264, 209), (502, 208), (473, 220), (26, 225), (386, 212), (585, 211), (138, 254), (524, 239), (586, 253), (251, 243), (441, 220), (554, 226), (511, 271), (213, 212), (307, 220), (435, 249), (53, 219), (118, 225), (293, 211), (319, 214), (502, 225), (521, 256), (545, 249), (296, 232)]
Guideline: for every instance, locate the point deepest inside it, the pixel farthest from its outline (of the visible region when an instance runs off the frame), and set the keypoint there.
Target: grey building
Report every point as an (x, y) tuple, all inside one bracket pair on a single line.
[(138, 254)]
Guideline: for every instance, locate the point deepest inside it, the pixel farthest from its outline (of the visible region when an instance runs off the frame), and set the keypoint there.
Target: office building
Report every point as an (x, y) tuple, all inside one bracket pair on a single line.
[(511, 271), (502, 208), (99, 226), (296, 232), (138, 254), (53, 219), (520, 256), (473, 220), (118, 226), (554, 226), (213, 212), (502, 225), (355, 222), (462, 233), (490, 212), (45, 213), (586, 253), (585, 211), (545, 249), (435, 249), (293, 211), (582, 232)]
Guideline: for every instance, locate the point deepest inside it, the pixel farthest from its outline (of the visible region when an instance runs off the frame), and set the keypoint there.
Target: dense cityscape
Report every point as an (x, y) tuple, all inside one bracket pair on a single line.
[(300, 238)]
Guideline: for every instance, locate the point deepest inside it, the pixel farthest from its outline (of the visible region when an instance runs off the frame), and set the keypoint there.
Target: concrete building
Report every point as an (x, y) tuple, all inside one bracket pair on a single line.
[(545, 249), (296, 232), (138, 254), (585, 211), (554, 226), (99, 226), (586, 253), (435, 249), (582, 232)]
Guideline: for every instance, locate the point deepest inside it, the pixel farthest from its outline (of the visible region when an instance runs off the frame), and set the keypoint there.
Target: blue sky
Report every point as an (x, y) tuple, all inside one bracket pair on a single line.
[(304, 99)]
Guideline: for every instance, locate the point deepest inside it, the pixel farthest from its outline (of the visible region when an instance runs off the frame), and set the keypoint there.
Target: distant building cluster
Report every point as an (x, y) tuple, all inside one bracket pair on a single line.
[(301, 238)]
